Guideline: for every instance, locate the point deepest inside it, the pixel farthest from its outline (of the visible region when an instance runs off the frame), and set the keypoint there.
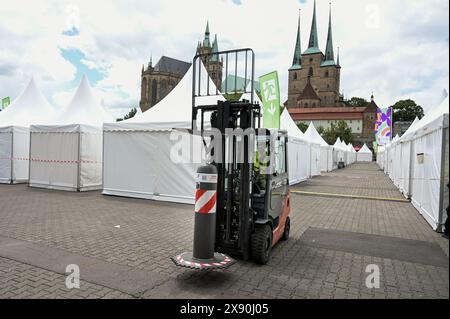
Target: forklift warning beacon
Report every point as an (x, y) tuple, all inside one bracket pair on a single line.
[(239, 211)]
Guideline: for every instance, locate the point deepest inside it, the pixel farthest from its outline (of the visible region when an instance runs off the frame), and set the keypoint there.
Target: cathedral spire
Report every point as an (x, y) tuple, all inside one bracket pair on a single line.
[(297, 60), (313, 41), (215, 49), (206, 42), (329, 53)]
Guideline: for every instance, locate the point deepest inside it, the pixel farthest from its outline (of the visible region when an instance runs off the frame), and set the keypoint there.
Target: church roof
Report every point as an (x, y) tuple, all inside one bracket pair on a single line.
[(308, 93), (313, 45), (297, 60), (329, 53), (171, 65), (215, 49)]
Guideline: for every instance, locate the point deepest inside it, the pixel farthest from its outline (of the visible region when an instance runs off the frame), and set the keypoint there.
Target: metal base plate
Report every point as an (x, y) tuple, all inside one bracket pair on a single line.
[(220, 261)]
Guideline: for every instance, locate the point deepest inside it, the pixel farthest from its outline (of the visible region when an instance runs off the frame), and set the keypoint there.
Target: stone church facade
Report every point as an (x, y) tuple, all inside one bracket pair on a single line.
[(314, 89), (157, 81)]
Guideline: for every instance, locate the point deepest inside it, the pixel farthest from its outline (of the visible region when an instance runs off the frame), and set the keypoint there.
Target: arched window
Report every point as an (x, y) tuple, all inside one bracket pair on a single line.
[(295, 75), (144, 90), (314, 104), (154, 92), (306, 104), (163, 87), (311, 72), (327, 74)]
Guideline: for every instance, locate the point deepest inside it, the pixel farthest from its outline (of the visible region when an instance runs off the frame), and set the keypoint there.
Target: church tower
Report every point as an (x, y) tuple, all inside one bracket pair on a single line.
[(314, 77), (214, 64)]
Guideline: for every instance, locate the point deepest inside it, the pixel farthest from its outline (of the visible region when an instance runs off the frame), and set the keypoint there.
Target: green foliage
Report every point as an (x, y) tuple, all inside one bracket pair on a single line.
[(339, 129), (320, 130), (302, 126), (406, 110), (129, 115), (356, 102)]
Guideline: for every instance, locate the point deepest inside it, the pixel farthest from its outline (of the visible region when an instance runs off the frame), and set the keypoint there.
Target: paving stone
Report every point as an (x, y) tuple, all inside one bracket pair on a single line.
[(151, 232)]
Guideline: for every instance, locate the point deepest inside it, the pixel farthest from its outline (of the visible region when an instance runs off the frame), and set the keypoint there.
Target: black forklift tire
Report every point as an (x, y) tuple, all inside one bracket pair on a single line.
[(287, 229), (262, 244)]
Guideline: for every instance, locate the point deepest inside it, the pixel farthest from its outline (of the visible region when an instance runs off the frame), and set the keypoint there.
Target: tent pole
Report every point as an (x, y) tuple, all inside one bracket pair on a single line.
[(12, 157), (29, 159), (441, 191), (79, 159)]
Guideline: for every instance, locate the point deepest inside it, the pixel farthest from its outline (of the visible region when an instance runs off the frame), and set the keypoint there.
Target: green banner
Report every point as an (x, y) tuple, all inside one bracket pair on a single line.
[(270, 94), (5, 102)]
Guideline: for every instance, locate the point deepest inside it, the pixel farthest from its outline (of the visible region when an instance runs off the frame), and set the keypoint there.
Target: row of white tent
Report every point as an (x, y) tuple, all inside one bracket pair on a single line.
[(81, 148), (417, 163)]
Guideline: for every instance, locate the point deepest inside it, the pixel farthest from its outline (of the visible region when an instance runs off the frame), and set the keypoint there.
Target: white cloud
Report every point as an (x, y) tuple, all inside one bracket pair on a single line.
[(397, 49)]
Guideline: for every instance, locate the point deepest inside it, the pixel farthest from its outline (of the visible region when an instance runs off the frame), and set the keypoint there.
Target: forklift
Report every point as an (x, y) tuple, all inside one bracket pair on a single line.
[(252, 206)]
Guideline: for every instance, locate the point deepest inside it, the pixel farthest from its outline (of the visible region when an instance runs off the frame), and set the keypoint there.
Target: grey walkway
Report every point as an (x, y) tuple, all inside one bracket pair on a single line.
[(85, 227)]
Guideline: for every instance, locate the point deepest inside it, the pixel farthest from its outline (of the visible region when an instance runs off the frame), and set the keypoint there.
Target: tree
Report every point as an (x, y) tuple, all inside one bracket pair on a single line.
[(341, 130), (129, 115), (302, 126), (406, 110), (320, 130), (357, 101)]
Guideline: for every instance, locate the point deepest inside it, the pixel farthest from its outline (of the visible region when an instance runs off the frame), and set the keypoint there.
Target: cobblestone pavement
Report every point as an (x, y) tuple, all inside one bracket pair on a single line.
[(150, 232)]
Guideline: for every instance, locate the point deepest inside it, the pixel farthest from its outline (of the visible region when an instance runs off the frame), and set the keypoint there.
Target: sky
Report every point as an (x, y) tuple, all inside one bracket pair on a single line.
[(395, 49)]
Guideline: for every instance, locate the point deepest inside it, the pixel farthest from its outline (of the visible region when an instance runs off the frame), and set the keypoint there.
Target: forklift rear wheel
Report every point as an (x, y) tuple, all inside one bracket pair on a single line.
[(262, 244), (287, 229)]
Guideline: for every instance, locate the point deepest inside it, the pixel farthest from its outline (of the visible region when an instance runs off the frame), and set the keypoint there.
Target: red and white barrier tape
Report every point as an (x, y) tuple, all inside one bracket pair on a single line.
[(50, 161)]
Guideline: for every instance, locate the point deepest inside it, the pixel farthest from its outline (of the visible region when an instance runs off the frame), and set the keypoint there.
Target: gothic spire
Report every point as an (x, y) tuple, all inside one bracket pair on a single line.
[(206, 42), (297, 60), (215, 49), (313, 38), (329, 53)]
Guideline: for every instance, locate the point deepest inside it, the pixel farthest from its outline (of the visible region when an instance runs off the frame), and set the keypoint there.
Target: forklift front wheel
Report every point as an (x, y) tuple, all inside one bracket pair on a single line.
[(262, 244)]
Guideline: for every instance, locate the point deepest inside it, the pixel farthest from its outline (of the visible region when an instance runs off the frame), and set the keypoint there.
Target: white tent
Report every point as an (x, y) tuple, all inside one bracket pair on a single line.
[(338, 153), (429, 171), (326, 151), (139, 152), (299, 150), (30, 107), (364, 154), (68, 156)]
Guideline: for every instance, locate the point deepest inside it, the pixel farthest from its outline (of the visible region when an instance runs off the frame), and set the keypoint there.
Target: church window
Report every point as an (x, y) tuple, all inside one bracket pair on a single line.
[(311, 72), (306, 104), (314, 105), (154, 88), (144, 89), (327, 74), (311, 59), (295, 75)]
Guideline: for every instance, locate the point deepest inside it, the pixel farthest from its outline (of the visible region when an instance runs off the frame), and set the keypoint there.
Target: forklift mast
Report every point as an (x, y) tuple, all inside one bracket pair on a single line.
[(234, 222)]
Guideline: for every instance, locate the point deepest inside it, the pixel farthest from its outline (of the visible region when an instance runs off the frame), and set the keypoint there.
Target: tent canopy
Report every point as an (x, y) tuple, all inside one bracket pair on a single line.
[(288, 124), (84, 108), (365, 150), (30, 107), (312, 135)]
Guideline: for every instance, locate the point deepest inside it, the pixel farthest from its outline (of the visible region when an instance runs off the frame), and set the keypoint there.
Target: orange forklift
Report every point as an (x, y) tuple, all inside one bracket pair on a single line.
[(247, 210)]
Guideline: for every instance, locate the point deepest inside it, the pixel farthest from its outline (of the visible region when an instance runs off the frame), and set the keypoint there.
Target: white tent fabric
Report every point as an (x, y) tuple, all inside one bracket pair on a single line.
[(364, 154), (418, 163), (299, 150), (339, 153), (29, 107), (326, 151), (138, 153), (68, 155), (430, 165)]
